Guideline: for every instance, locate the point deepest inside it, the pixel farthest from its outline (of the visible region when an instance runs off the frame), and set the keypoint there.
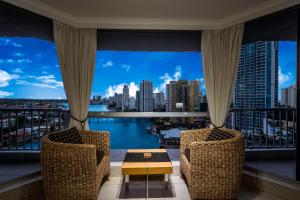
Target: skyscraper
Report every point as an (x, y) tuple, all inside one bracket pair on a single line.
[(182, 92), (197, 92), (131, 103), (159, 100), (171, 96), (119, 101), (137, 100), (146, 96), (116, 98), (125, 100), (181, 98), (257, 81), (284, 96), (288, 96)]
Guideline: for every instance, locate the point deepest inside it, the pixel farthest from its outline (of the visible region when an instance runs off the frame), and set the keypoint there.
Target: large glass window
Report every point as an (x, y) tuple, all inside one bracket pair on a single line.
[(144, 81), (264, 104)]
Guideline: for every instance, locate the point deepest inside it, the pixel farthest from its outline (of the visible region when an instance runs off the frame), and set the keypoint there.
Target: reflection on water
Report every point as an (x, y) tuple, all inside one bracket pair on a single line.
[(126, 133)]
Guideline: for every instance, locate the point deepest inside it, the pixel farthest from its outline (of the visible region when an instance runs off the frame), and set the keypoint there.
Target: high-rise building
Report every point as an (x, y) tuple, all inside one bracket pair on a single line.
[(125, 101), (257, 82), (137, 100), (197, 92), (181, 98), (131, 103), (159, 100), (146, 96), (288, 96), (171, 90), (119, 101), (284, 96), (186, 96), (116, 97), (181, 93)]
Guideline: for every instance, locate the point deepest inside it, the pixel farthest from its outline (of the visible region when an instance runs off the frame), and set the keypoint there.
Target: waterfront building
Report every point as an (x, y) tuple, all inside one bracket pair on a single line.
[(137, 100), (131, 103), (125, 100), (159, 100), (180, 93), (115, 98), (257, 82), (197, 92), (171, 90), (181, 98), (288, 96), (146, 96), (119, 101)]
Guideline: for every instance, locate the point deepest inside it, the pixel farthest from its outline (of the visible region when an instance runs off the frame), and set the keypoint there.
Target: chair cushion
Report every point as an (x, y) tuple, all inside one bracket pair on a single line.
[(218, 134), (187, 153), (100, 155), (71, 135)]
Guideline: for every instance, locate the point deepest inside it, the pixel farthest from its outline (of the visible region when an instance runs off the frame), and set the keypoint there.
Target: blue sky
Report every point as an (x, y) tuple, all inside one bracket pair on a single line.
[(29, 69)]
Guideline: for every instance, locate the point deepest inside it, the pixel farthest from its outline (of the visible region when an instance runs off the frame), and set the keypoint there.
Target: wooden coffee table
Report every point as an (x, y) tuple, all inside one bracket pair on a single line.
[(135, 164)]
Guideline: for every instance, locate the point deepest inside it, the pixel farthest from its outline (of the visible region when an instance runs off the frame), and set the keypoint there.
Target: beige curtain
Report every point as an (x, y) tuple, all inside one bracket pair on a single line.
[(76, 49), (221, 53)]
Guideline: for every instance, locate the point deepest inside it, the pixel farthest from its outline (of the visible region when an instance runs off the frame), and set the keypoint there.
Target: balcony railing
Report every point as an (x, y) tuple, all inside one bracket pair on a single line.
[(265, 128), (22, 129)]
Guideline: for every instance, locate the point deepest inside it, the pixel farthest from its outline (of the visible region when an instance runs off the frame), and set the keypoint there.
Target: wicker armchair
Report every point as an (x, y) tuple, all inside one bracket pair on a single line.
[(215, 167), (70, 171)]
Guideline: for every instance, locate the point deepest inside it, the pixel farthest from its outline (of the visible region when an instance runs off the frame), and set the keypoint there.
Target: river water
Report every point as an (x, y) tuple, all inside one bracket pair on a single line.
[(124, 133)]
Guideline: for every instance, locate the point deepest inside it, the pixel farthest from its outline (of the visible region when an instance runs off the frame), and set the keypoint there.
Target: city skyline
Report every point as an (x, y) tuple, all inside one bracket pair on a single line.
[(29, 69)]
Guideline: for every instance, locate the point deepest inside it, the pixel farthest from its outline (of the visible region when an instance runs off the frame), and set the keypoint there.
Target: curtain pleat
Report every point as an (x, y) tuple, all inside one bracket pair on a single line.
[(221, 54), (76, 49)]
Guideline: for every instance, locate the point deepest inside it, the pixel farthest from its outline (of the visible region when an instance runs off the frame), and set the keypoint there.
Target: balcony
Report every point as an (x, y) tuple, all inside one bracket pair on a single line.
[(232, 41), (270, 143)]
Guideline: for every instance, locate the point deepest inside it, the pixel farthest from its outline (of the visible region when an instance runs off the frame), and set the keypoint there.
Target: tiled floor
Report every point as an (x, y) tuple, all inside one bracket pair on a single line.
[(111, 189), (114, 188), (285, 168)]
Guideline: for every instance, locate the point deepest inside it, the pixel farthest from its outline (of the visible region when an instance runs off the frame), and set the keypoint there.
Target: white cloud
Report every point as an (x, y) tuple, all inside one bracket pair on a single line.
[(9, 42), (47, 81), (17, 61), (18, 70), (283, 78), (40, 55), (156, 90), (112, 89), (18, 54), (166, 78), (24, 60), (5, 94), (126, 67), (108, 64), (5, 77), (177, 74), (202, 83)]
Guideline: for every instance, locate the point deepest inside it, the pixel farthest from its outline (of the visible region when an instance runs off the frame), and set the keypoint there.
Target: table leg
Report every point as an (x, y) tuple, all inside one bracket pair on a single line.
[(166, 181), (147, 186), (126, 182)]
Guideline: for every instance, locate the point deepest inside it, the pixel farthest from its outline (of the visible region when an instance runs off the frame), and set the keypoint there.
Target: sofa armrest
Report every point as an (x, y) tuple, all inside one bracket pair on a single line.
[(217, 153), (187, 137), (68, 161), (101, 139)]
